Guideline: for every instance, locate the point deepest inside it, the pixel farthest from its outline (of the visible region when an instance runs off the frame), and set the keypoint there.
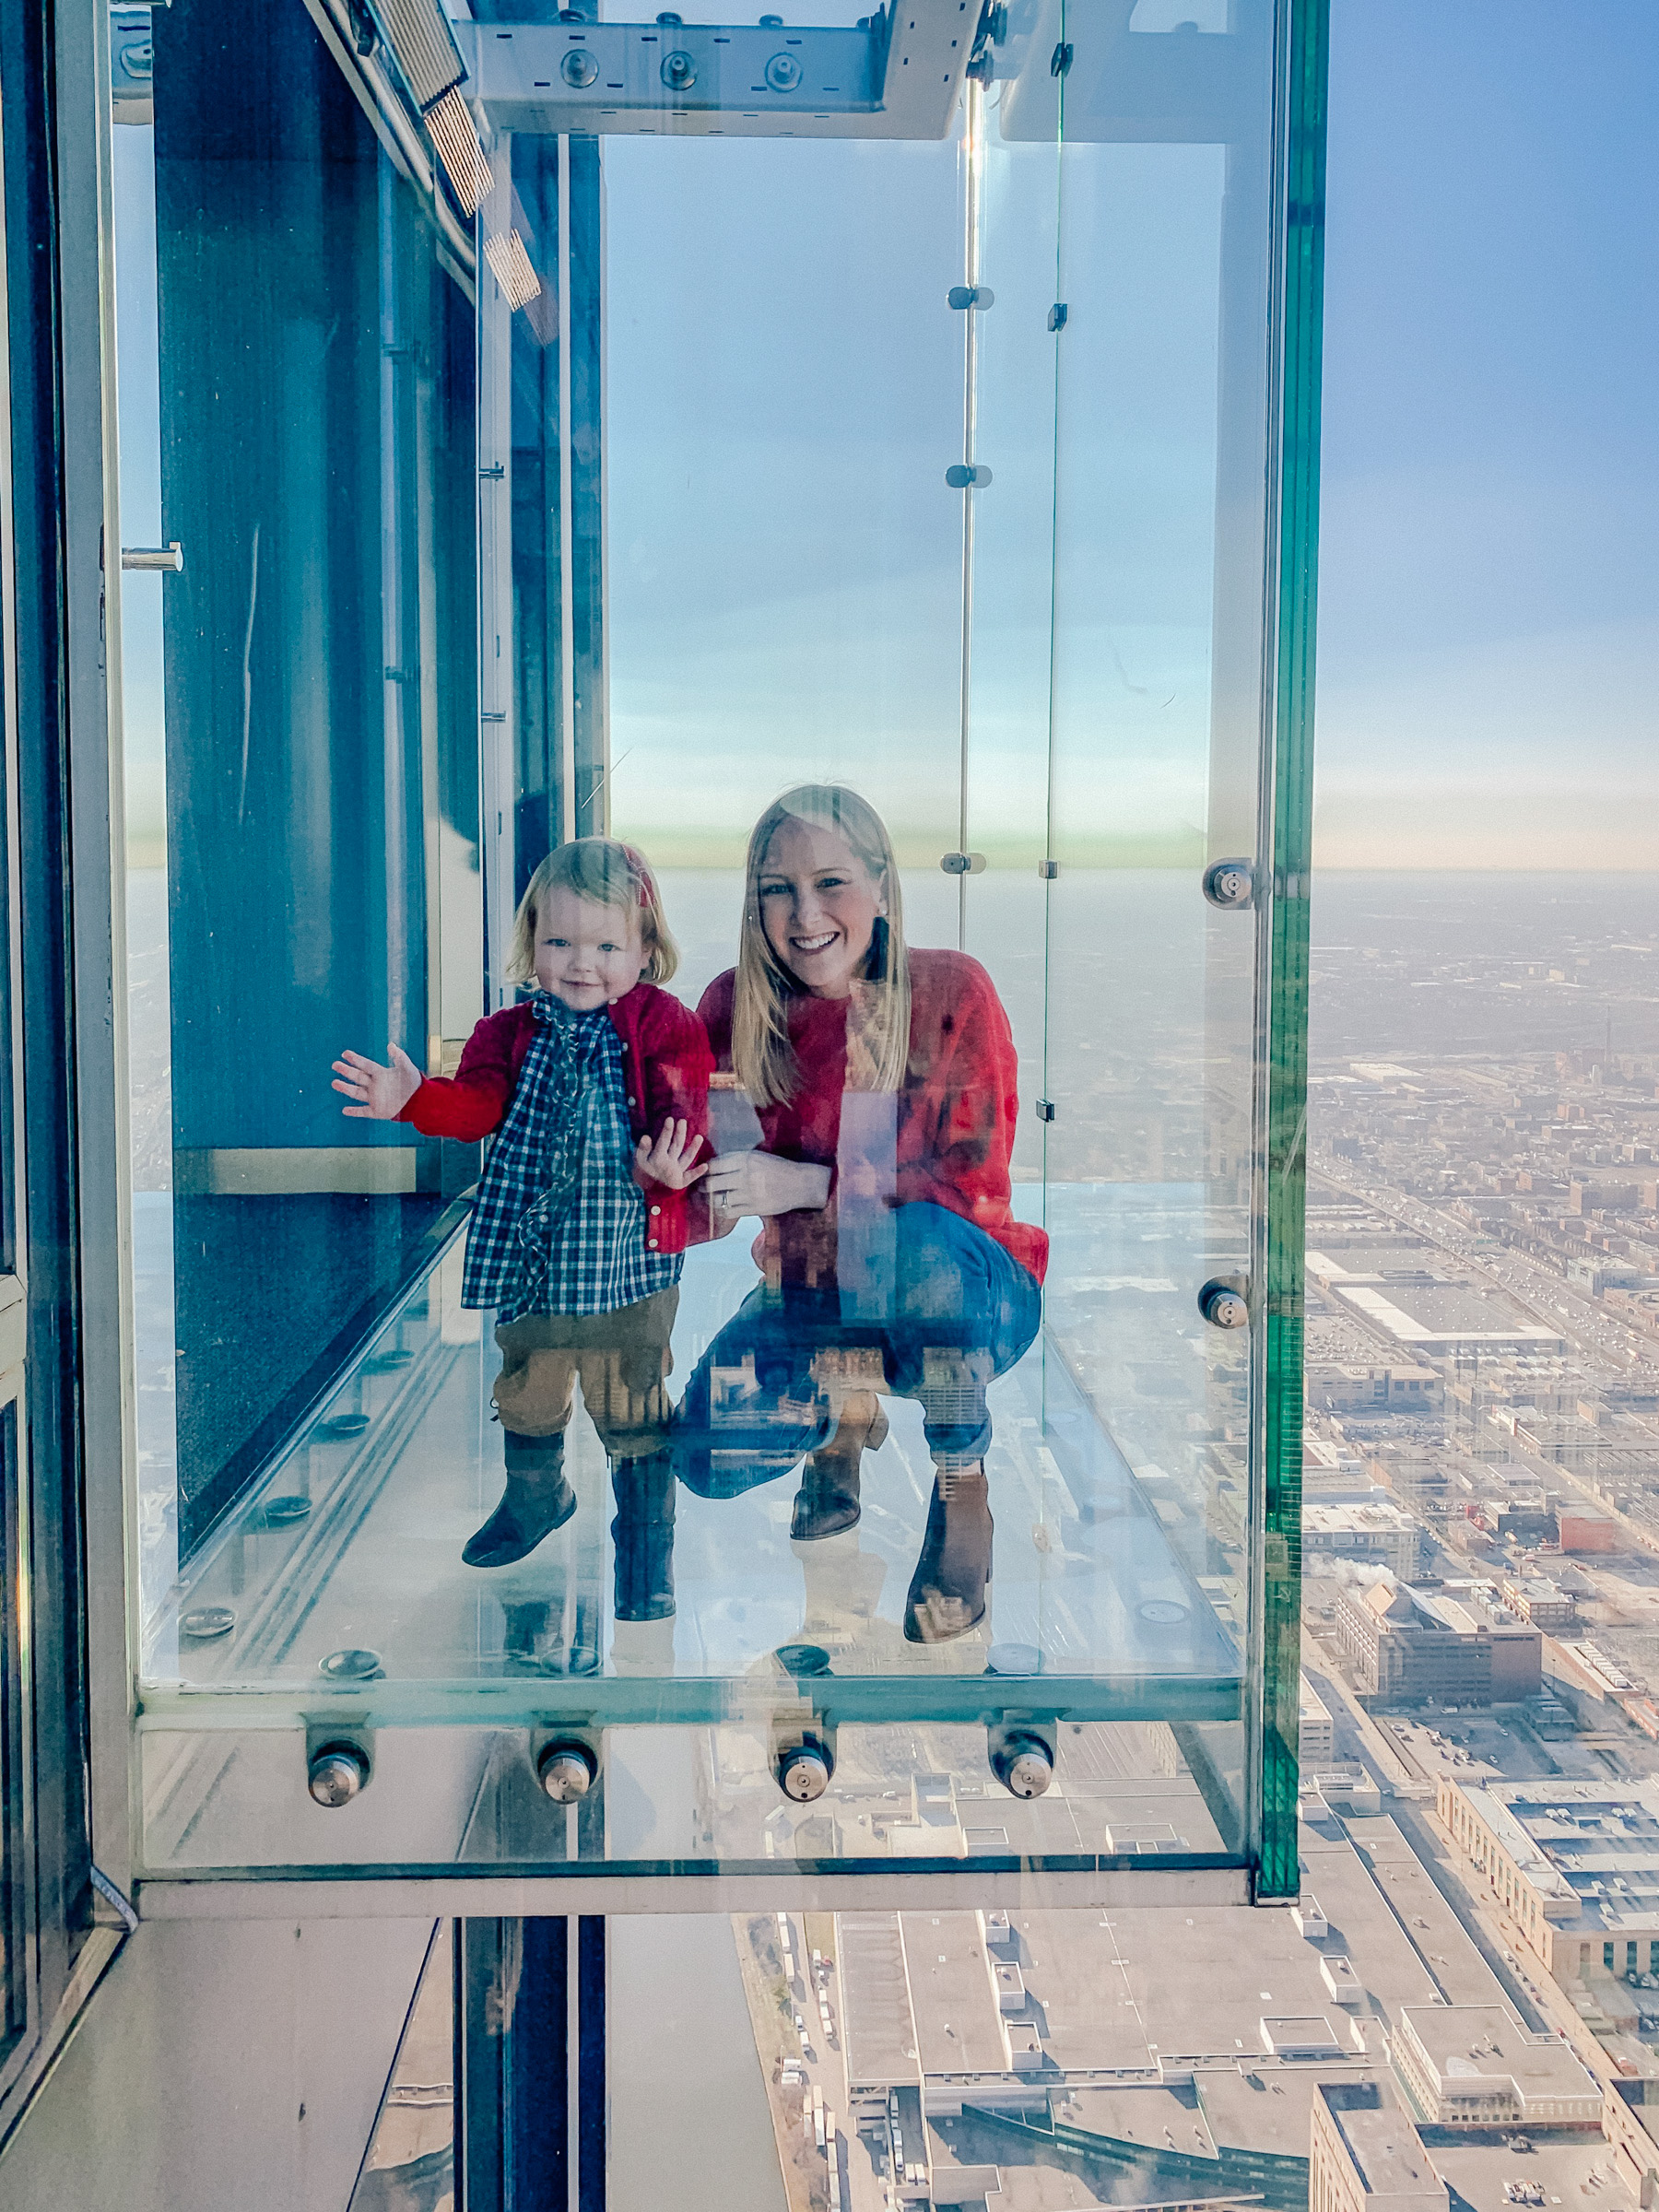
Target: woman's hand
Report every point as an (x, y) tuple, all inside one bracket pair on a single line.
[(761, 1183), (378, 1094), (668, 1159)]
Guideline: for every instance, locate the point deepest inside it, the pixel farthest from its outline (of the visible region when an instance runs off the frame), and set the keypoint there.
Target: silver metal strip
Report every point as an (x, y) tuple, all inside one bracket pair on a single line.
[(97, 841), (467, 1897)]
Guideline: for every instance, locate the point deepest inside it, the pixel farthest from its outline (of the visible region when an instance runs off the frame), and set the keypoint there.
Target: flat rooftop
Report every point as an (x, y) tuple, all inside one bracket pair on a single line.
[(1389, 2154), (1469, 2042), (1588, 1844)]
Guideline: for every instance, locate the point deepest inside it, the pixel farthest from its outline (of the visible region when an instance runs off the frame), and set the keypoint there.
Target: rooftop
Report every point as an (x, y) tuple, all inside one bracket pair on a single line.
[(1590, 1844), (1470, 2044), (1379, 2136)]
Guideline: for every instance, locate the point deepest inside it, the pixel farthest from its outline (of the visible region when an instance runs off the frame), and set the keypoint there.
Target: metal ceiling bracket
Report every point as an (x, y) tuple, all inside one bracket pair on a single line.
[(898, 74)]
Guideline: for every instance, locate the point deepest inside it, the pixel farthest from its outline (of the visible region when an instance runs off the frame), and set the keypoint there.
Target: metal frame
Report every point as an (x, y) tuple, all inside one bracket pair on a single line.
[(342, 1893), (63, 1029), (899, 78), (1285, 835), (87, 1183)]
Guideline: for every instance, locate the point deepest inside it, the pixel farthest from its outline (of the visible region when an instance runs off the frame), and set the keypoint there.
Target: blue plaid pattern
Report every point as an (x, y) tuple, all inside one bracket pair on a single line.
[(559, 1226)]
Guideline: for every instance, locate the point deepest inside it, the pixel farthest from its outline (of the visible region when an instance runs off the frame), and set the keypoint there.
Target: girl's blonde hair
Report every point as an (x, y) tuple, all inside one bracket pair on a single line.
[(608, 873), (878, 1020)]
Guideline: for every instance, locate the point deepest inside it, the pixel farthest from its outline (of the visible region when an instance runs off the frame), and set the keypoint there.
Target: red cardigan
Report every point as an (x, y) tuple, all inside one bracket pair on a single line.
[(666, 1056), (956, 1112)]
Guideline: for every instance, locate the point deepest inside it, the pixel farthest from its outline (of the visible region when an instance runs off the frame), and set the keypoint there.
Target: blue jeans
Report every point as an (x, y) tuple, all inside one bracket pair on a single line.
[(963, 1311)]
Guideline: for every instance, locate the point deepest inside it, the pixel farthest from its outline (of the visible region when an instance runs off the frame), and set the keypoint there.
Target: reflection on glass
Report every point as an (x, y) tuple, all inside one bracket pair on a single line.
[(685, 1084), (410, 2164), (14, 1895)]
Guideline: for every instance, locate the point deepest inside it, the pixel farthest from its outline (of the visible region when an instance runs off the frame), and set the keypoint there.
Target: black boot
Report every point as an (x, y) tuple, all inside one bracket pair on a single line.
[(827, 1500), (536, 1500), (643, 1535), (947, 1591)]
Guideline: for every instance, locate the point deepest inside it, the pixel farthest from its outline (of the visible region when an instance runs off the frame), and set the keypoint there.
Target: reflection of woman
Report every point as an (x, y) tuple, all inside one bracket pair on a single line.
[(883, 1082)]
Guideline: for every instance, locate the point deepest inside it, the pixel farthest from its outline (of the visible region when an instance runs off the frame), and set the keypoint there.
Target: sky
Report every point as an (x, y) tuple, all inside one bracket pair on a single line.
[(786, 391), (1488, 633)]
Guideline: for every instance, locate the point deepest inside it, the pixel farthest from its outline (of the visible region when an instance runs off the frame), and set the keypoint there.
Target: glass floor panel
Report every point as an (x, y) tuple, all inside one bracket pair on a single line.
[(341, 1574)]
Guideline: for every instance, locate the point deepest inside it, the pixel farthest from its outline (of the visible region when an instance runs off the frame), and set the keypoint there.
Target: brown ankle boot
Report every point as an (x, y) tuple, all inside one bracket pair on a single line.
[(947, 1591), (827, 1500)]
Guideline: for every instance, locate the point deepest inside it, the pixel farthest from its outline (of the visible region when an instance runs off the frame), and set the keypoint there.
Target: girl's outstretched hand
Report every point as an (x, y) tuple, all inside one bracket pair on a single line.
[(668, 1158), (377, 1093)]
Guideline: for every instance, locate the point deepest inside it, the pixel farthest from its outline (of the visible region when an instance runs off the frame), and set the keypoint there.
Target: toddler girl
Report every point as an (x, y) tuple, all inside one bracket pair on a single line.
[(597, 1091)]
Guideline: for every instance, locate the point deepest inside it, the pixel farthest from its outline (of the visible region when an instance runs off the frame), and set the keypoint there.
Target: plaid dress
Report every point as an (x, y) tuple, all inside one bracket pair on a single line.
[(560, 1222)]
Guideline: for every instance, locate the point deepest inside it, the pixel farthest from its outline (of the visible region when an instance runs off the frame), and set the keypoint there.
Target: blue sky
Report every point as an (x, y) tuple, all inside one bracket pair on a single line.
[(785, 390), (1489, 561)]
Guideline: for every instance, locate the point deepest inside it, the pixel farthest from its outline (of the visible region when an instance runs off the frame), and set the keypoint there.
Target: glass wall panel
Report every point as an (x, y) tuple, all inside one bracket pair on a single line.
[(695, 654), (296, 376)]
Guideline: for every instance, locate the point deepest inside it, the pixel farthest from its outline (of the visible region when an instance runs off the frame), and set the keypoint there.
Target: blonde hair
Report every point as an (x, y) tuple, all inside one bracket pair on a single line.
[(878, 1020), (608, 873)]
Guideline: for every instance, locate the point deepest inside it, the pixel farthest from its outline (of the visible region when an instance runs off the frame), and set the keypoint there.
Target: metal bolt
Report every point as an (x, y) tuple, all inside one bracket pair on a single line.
[(1223, 1306), (338, 1774), (578, 68), (679, 71), (804, 1773), (782, 73), (1023, 1764), (566, 1771), (1230, 883)]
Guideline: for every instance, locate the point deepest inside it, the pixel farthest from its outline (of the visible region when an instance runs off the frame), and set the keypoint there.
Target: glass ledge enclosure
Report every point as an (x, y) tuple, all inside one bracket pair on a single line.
[(715, 659)]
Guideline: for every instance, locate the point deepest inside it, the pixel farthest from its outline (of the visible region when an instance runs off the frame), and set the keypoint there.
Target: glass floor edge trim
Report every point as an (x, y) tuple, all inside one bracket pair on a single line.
[(702, 1873), (702, 1702), (228, 1895)]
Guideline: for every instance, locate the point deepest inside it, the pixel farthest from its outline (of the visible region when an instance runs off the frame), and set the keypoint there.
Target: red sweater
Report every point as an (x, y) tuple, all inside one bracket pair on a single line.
[(665, 1053), (956, 1112)]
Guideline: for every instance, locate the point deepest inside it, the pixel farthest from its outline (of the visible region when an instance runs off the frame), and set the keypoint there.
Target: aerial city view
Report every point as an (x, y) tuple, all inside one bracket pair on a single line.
[(1463, 2008)]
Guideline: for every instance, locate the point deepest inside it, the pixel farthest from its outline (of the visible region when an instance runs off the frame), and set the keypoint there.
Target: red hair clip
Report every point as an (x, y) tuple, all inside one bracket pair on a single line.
[(636, 861)]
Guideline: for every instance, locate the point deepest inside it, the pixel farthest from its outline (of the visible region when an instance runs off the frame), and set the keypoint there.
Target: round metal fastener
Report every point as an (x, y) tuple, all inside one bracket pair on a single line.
[(804, 1773), (207, 1622), (1161, 1613), (783, 73), (340, 1427), (803, 1659), (392, 1362), (679, 71), (1024, 1765), (338, 1774), (566, 1771), (1223, 1306), (283, 1513), (578, 68), (1013, 1659), (351, 1666), (1230, 883)]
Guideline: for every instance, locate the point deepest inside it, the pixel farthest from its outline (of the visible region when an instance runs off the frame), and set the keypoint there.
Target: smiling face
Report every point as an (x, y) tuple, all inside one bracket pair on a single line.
[(586, 955), (818, 906)]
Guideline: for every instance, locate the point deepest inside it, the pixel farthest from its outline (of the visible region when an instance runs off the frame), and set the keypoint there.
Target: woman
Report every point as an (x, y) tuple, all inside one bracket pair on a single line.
[(882, 1084)]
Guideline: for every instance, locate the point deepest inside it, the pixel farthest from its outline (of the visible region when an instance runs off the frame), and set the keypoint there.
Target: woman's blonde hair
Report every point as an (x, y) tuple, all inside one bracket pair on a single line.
[(878, 1020), (608, 873)]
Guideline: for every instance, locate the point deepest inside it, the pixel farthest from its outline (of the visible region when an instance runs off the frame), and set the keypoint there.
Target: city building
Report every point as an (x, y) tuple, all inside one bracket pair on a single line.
[(1364, 2150), (1540, 1603), (1335, 1387), (1474, 2066), (1574, 1864), (1631, 2122), (1417, 1644), (1382, 1535), (1583, 1528), (1316, 1737)]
